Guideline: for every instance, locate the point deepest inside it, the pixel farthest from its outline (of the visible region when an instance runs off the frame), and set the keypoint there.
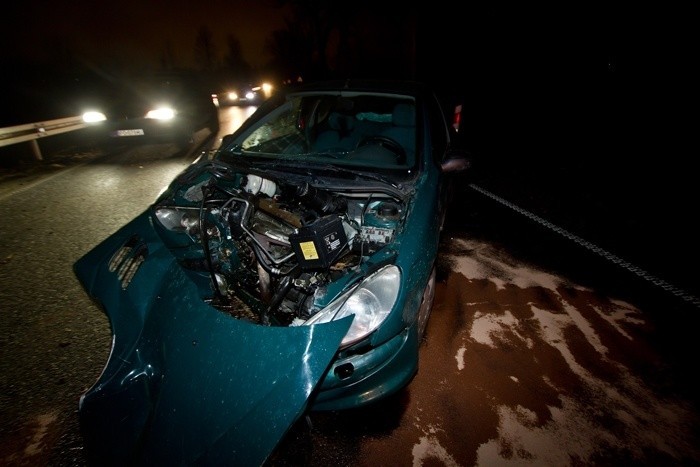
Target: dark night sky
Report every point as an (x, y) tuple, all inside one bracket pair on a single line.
[(136, 30), (511, 53)]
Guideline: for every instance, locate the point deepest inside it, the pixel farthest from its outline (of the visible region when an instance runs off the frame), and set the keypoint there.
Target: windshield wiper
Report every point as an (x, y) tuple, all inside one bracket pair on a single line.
[(310, 169), (363, 174), (336, 169)]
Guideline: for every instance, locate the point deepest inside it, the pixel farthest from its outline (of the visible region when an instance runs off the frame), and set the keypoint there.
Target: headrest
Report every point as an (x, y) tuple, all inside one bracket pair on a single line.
[(404, 115)]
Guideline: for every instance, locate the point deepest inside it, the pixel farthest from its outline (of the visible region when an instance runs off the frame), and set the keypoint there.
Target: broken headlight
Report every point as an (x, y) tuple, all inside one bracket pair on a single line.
[(178, 219), (371, 302)]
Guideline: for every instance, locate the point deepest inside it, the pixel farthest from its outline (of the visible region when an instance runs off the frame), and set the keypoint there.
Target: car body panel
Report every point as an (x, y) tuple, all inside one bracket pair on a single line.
[(172, 392), (297, 260)]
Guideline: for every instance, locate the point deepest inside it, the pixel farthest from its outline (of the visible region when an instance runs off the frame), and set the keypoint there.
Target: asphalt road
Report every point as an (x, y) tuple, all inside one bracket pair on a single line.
[(539, 351)]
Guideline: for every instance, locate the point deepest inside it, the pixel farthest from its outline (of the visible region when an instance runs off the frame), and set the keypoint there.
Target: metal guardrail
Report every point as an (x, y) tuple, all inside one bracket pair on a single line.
[(678, 292), (32, 132)]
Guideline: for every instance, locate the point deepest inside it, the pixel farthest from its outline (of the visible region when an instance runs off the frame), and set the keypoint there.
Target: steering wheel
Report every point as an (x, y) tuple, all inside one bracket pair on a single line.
[(385, 142)]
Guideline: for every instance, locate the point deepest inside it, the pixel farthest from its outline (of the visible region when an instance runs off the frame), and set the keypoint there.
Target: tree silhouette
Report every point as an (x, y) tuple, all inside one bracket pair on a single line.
[(326, 38), (235, 64), (167, 58), (205, 50), (291, 49)]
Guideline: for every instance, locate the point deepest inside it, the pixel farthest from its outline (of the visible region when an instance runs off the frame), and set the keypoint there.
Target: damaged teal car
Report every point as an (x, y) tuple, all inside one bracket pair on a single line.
[(290, 270)]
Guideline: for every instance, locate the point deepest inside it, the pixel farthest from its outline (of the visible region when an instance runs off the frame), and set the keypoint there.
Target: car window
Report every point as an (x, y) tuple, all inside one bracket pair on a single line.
[(365, 130)]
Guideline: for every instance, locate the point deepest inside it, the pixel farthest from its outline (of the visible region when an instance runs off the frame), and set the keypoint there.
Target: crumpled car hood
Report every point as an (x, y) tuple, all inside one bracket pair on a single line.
[(186, 384)]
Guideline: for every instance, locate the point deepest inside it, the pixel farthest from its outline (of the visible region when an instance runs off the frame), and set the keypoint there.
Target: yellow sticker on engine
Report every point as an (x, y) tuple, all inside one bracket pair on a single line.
[(308, 249)]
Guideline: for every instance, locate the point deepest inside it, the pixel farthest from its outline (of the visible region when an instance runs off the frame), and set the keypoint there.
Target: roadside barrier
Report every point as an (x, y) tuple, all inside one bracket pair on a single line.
[(32, 132), (594, 248)]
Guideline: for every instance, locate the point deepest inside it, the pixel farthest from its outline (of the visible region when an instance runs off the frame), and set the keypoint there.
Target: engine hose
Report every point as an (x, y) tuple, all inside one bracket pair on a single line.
[(285, 284), (262, 260)]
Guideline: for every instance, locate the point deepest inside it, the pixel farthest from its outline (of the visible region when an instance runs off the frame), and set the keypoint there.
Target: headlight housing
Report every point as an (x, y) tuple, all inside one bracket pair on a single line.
[(371, 302), (179, 219)]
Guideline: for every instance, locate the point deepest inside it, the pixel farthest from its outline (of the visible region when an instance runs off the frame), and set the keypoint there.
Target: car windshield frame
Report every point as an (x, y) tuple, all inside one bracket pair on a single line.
[(293, 128)]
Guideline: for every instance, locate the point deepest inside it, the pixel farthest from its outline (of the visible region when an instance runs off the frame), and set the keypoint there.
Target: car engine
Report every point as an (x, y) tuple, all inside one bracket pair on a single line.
[(268, 249)]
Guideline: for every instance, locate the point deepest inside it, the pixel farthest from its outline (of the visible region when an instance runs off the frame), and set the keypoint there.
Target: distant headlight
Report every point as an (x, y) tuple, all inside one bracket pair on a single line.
[(267, 89), (93, 117), (250, 95), (370, 302), (232, 96), (161, 113)]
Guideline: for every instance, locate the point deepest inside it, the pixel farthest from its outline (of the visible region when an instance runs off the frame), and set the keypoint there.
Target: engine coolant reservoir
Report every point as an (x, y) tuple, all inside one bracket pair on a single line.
[(379, 222)]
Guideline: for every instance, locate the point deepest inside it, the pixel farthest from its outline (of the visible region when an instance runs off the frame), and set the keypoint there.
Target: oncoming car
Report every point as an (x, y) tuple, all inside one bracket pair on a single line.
[(292, 270), (251, 94), (163, 108)]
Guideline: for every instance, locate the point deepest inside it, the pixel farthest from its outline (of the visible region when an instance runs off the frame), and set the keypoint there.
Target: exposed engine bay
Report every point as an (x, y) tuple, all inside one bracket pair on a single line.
[(268, 249)]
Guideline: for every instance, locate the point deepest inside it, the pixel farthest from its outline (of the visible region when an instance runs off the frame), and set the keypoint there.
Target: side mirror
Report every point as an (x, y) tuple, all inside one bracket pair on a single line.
[(226, 140), (455, 161)]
